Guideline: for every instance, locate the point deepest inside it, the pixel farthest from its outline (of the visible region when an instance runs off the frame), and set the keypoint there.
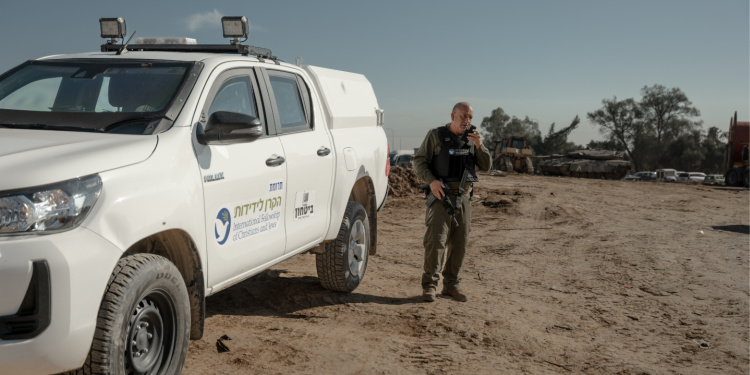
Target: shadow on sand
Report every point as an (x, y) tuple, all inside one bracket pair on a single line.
[(742, 229), (271, 294)]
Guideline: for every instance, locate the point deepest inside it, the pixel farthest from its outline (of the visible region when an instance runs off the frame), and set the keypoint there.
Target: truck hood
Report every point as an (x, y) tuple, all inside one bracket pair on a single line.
[(38, 157)]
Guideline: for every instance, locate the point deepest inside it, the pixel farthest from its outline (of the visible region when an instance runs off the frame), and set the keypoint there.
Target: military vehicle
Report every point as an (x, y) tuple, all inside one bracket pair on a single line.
[(605, 164), (513, 154)]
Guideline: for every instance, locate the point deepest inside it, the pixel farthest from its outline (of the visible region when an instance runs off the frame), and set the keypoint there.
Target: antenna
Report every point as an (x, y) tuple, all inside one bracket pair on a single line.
[(124, 48)]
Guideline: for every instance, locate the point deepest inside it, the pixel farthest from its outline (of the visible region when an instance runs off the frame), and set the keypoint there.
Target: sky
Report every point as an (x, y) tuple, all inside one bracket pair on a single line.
[(550, 60)]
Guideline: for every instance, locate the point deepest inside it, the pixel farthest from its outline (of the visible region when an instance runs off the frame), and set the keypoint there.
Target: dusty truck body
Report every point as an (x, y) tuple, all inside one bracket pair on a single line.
[(736, 167), (147, 177), (586, 164)]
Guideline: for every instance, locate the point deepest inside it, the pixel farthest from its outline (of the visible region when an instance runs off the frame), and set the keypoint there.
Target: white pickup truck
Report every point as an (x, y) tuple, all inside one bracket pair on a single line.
[(139, 180)]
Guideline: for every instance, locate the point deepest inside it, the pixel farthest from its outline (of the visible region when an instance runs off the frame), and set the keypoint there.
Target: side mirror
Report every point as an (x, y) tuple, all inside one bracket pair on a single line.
[(224, 128)]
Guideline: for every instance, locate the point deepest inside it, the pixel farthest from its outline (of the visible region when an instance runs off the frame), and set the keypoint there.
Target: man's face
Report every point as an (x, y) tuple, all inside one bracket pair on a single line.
[(461, 119)]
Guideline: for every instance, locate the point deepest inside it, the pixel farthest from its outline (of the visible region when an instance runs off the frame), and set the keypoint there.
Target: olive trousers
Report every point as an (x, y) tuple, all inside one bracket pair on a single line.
[(445, 243)]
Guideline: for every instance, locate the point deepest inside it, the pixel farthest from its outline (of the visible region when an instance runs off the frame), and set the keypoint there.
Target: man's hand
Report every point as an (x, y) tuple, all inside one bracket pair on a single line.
[(437, 189), (476, 138)]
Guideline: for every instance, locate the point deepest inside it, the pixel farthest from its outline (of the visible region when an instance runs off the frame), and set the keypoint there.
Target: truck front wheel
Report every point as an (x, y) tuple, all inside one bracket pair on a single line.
[(143, 324), (341, 267)]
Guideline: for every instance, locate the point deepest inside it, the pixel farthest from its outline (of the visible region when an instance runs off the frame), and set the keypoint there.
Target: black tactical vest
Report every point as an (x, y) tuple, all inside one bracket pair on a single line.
[(454, 156)]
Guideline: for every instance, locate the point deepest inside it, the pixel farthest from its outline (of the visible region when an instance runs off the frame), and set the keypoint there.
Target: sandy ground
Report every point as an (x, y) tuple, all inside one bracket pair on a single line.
[(563, 275)]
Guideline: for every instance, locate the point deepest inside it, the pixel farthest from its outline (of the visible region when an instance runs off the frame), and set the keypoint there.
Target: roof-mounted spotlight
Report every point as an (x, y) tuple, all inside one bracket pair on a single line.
[(234, 27), (113, 28)]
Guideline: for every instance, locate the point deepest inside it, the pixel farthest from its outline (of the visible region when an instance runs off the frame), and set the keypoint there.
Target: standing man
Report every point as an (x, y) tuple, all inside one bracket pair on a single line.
[(441, 162)]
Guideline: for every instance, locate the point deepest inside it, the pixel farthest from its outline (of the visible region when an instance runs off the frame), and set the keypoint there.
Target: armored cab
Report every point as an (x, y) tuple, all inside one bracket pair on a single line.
[(606, 164)]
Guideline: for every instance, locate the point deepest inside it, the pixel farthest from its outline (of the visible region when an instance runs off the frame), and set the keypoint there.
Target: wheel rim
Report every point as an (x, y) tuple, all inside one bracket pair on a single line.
[(151, 334), (357, 249)]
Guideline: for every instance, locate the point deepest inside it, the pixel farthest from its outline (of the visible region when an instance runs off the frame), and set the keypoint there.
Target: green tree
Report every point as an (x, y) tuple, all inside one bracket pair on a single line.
[(494, 125), (667, 113), (499, 126), (713, 146), (556, 142), (685, 153), (620, 121)]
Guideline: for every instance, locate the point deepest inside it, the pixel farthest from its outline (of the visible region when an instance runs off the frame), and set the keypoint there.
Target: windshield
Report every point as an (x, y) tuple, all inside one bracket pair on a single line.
[(105, 96)]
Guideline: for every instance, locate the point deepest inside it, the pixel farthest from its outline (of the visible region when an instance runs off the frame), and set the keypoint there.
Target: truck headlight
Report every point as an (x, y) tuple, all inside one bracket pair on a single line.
[(48, 209)]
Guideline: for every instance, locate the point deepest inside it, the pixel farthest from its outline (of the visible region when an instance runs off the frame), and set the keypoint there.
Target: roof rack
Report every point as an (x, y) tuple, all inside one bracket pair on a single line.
[(244, 50), (233, 27)]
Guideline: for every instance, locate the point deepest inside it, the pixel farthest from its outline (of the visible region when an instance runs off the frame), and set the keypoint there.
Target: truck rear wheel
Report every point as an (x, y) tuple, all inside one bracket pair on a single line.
[(746, 178), (733, 177), (341, 267), (143, 325)]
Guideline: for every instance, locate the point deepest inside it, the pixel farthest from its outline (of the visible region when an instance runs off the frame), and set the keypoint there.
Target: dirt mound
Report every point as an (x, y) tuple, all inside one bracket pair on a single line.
[(403, 182)]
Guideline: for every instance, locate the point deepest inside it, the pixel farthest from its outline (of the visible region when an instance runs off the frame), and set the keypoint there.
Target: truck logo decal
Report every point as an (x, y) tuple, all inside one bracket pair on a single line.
[(304, 204), (246, 219), (213, 177), (222, 225)]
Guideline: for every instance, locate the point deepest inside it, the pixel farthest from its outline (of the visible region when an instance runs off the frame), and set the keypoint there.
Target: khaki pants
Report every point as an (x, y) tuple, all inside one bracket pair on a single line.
[(443, 236)]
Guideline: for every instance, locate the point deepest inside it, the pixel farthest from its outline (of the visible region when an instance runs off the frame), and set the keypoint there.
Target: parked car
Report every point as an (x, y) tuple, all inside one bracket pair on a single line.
[(691, 177), (713, 179), (396, 155), (404, 161), (683, 177), (666, 175), (647, 176), (643, 176), (697, 176)]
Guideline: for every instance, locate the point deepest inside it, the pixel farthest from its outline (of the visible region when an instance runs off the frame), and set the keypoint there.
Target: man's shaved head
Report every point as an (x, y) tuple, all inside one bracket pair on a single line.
[(461, 105)]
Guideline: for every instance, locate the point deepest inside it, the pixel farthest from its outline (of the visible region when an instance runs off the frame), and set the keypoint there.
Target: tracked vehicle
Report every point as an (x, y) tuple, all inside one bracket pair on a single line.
[(605, 164)]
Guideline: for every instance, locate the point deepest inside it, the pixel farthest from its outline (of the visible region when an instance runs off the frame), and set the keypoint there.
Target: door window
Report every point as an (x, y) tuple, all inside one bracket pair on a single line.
[(235, 95)]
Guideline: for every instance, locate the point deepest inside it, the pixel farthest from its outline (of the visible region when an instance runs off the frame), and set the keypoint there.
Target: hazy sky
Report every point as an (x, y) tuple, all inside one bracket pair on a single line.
[(547, 59)]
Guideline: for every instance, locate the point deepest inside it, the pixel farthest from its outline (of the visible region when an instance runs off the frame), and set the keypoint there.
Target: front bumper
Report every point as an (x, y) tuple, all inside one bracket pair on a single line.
[(51, 288)]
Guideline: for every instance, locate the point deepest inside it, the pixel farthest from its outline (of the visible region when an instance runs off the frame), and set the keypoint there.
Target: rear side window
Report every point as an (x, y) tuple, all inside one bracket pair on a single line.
[(291, 99)]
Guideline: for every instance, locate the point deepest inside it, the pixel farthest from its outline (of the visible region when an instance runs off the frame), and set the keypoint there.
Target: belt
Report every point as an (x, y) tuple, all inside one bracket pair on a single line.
[(455, 191)]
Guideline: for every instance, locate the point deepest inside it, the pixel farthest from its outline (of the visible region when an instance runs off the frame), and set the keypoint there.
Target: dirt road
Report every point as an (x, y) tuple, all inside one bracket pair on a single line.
[(563, 276)]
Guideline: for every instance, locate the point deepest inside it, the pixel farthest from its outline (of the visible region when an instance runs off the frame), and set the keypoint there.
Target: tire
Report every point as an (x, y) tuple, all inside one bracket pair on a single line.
[(732, 178), (746, 178), (143, 325), (528, 165), (342, 265), (507, 164)]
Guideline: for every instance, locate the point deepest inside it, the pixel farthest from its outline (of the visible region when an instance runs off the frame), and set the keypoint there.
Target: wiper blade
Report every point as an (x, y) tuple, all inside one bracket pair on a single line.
[(50, 127), (146, 124)]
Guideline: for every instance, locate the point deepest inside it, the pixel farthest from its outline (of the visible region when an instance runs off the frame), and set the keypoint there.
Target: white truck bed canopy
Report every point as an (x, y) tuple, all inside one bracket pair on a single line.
[(348, 98)]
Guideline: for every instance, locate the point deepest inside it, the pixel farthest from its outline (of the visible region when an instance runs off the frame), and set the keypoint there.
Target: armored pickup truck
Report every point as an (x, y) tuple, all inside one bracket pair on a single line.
[(142, 178)]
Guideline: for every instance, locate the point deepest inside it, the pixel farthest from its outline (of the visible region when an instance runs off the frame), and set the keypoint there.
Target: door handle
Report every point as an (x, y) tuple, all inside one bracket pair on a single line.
[(323, 151), (275, 162)]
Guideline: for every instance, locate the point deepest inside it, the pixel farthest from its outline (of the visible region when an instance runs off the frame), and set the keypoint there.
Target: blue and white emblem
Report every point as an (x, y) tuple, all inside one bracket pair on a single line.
[(222, 225), (451, 151)]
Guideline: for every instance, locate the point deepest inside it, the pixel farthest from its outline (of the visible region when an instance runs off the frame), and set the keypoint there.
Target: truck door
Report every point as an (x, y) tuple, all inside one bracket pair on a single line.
[(243, 185), (310, 161)]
